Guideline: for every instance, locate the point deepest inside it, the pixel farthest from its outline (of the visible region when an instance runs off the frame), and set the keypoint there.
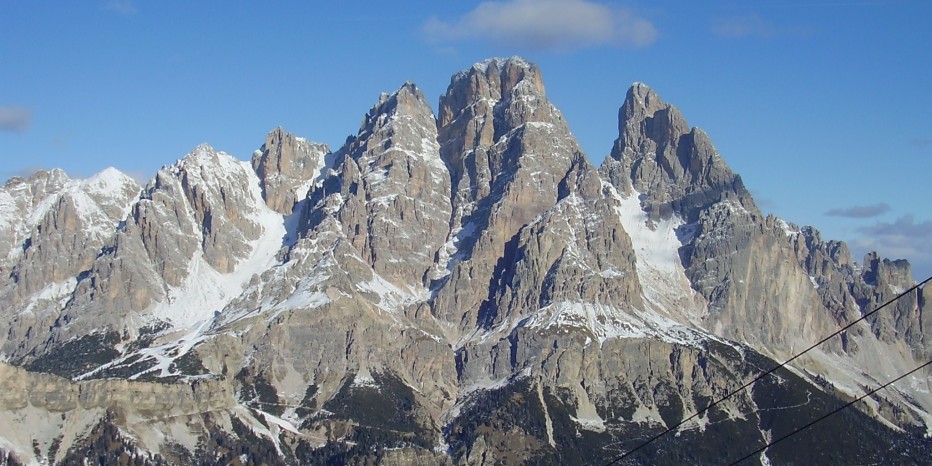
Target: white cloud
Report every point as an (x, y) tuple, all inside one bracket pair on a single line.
[(866, 211), (15, 119), (556, 25), (901, 239)]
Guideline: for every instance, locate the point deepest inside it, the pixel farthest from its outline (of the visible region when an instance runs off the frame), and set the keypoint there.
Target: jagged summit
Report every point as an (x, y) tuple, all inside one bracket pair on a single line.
[(287, 166), (456, 289), (676, 166), (487, 83), (511, 66), (406, 102)]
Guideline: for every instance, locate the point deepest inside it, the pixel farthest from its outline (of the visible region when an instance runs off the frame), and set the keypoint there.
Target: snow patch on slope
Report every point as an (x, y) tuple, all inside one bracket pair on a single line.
[(206, 290), (55, 292), (659, 267), (391, 298)]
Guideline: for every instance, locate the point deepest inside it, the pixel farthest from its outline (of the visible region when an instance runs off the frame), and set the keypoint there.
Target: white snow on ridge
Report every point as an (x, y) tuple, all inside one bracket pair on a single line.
[(483, 66), (788, 229), (450, 253), (60, 292), (608, 322), (324, 162), (94, 200), (604, 321)]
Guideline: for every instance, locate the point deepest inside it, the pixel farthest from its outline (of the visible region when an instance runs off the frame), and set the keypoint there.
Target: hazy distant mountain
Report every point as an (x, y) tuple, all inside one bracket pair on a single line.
[(463, 288)]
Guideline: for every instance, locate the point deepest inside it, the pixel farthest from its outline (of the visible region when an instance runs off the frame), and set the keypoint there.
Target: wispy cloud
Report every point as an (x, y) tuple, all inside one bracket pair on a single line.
[(866, 211), (903, 238), (922, 143), (22, 172), (123, 7), (15, 119), (554, 25), (752, 25)]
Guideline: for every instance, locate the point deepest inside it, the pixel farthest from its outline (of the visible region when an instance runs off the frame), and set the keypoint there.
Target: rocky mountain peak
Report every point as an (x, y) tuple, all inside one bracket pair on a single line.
[(494, 103), (389, 190), (407, 102), (489, 82), (642, 101), (676, 167), (286, 166), (20, 201), (509, 151)]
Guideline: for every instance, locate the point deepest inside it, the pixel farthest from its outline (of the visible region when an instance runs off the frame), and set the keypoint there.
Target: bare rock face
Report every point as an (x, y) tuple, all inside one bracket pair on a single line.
[(508, 150), (767, 283), (61, 230), (756, 289), (19, 199), (883, 280), (62, 225), (286, 166), (201, 205), (394, 189), (200, 208), (676, 167), (333, 318), (182, 241)]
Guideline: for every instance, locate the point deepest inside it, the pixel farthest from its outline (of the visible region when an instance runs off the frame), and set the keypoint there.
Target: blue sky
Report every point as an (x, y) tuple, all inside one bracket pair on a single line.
[(823, 107)]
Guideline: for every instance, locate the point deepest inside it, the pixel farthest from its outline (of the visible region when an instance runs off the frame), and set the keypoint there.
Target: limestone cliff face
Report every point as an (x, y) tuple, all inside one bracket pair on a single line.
[(19, 199), (756, 289), (675, 167), (286, 165), (394, 190), (464, 288), (53, 415), (737, 260), (767, 283), (508, 150), (61, 227)]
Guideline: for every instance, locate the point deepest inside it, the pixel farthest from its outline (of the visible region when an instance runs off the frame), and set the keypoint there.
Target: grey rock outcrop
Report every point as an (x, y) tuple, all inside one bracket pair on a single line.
[(770, 284), (508, 150), (19, 199), (60, 226), (676, 167), (392, 189), (286, 166)]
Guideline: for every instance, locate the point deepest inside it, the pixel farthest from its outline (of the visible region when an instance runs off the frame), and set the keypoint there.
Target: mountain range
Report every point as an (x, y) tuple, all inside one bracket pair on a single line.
[(458, 288)]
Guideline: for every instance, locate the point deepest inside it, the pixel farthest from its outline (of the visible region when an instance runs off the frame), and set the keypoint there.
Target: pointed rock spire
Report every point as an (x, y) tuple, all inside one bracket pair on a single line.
[(676, 167), (390, 190), (509, 152), (286, 166)]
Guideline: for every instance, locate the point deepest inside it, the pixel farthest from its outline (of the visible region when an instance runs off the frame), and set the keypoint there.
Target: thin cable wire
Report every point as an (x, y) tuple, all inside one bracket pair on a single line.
[(768, 372), (822, 418)]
